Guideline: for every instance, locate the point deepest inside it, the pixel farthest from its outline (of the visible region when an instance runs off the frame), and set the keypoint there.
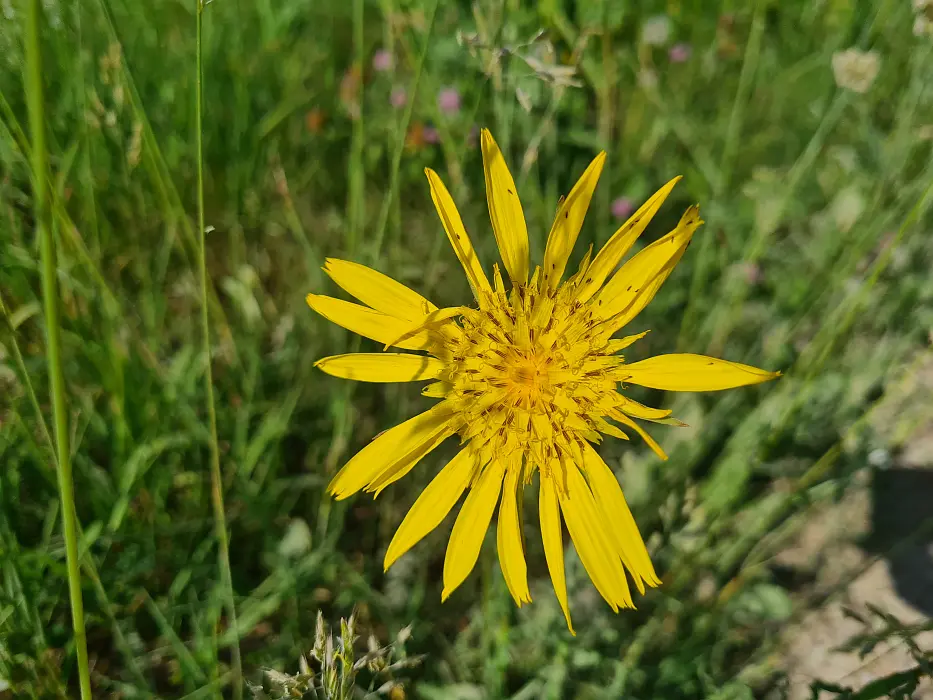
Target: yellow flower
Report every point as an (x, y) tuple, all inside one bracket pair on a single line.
[(528, 379)]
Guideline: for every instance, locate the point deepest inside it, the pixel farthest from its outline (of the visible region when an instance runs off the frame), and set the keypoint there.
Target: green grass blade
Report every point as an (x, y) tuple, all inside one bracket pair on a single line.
[(217, 495), (43, 215)]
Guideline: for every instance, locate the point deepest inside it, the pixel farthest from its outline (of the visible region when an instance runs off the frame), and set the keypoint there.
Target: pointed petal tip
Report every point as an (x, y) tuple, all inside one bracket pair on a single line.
[(313, 300)]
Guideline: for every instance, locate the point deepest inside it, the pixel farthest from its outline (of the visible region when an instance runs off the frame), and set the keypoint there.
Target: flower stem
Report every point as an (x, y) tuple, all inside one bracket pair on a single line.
[(40, 190), (217, 495)]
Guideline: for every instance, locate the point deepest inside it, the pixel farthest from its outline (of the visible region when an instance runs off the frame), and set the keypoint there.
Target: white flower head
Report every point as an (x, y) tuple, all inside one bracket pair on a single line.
[(922, 26), (856, 70), (656, 31)]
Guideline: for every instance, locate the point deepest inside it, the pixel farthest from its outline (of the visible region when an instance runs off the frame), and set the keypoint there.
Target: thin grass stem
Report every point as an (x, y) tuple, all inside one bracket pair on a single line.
[(43, 215), (217, 495)]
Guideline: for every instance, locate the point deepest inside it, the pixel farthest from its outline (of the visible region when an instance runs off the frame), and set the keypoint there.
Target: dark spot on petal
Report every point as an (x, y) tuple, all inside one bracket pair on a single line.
[(509, 191), (629, 288)]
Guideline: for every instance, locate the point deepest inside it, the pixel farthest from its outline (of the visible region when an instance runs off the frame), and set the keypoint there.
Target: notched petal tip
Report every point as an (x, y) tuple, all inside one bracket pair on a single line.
[(334, 492)]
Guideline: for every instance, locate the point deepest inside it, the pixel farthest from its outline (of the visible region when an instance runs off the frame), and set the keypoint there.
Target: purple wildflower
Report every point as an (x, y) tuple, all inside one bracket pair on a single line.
[(382, 61), (448, 100), (622, 207), (399, 97), (679, 53)]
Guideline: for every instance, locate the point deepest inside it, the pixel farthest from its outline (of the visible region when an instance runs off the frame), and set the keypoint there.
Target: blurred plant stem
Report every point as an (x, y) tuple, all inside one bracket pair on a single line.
[(34, 97), (402, 130), (217, 494), (356, 206)]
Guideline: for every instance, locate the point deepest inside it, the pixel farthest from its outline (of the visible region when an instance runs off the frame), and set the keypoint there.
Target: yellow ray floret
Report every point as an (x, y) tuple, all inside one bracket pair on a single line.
[(505, 211), (529, 378)]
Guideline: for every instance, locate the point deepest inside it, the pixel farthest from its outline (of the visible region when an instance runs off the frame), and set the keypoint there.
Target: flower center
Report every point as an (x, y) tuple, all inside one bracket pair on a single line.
[(527, 379)]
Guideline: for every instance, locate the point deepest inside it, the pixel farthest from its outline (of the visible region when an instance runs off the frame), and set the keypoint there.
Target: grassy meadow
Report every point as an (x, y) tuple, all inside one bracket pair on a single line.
[(813, 171)]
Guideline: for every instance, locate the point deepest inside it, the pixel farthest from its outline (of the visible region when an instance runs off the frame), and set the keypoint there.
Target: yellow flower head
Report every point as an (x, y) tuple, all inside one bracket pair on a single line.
[(529, 380)]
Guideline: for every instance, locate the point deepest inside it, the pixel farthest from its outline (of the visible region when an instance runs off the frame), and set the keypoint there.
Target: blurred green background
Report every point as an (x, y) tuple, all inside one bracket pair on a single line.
[(812, 167)]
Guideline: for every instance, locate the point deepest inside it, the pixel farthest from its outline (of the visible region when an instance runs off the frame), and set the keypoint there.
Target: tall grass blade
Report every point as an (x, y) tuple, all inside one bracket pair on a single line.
[(217, 495), (43, 213)]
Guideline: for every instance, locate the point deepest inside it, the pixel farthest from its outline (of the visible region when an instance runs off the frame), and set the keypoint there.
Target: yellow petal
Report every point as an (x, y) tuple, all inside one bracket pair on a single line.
[(457, 235), (377, 290), (635, 284), (592, 542), (437, 390), (505, 211), (436, 319), (368, 323), (686, 372), (628, 541), (509, 538), (382, 367), (607, 428), (617, 246), (402, 466), (466, 539), (639, 410), (568, 222), (388, 449), (432, 506), (553, 542), (625, 420), (622, 343)]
